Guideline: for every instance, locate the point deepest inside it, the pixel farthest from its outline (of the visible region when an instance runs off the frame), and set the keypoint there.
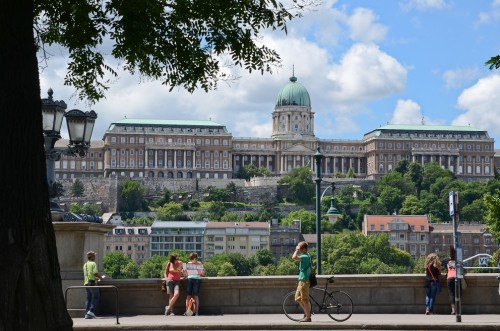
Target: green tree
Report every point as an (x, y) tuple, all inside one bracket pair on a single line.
[(249, 171), (242, 265), (392, 198), (163, 199), (431, 172), (171, 211), (414, 174), (180, 45), (353, 253), (351, 173), (217, 194), (77, 189), (264, 257), (492, 216), (86, 208), (226, 269), (307, 220), (411, 206), (264, 270), (132, 195), (286, 266), (301, 185), (142, 220), (402, 166), (473, 212), (211, 269), (231, 217), (154, 267), (115, 265), (217, 210)]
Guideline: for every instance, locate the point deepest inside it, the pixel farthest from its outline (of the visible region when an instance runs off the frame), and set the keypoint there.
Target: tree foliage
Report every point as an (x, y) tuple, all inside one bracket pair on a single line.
[(180, 43), (86, 208), (354, 253), (301, 185), (119, 266), (250, 170), (77, 189), (492, 217), (132, 195), (154, 267), (170, 212)]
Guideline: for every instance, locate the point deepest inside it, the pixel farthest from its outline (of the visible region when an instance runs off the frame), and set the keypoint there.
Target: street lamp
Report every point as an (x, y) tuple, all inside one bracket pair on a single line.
[(80, 127), (318, 157)]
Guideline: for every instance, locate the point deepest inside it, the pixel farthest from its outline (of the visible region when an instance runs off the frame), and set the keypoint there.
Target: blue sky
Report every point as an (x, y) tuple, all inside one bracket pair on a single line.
[(365, 63)]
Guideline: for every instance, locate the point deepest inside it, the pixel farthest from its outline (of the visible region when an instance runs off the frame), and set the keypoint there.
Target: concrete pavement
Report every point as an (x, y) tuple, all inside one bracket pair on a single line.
[(281, 322)]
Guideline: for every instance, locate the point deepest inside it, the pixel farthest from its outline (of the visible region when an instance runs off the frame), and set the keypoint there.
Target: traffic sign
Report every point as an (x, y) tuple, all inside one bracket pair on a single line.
[(452, 204)]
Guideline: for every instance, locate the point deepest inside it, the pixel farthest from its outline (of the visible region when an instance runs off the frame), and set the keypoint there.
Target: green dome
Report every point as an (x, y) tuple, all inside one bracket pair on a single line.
[(293, 94)]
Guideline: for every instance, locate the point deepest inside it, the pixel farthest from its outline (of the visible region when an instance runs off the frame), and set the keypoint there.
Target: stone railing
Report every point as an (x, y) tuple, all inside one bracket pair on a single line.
[(371, 294)]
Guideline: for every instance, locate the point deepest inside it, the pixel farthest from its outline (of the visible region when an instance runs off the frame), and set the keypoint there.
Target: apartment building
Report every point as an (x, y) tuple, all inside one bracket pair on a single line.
[(474, 239), (407, 232), (206, 149), (246, 238), (132, 241), (184, 236), (284, 238)]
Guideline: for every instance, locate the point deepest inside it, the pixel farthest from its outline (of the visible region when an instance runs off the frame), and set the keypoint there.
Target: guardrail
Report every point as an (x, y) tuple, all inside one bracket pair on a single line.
[(98, 286)]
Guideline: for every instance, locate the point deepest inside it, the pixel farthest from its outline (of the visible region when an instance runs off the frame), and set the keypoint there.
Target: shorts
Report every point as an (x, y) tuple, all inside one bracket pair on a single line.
[(172, 286), (302, 293), (193, 286)]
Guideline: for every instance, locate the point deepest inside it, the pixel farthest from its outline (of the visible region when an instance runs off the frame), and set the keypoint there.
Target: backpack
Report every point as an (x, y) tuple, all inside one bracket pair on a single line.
[(190, 307)]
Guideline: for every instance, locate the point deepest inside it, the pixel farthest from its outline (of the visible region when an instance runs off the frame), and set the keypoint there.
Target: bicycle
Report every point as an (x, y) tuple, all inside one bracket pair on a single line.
[(337, 304)]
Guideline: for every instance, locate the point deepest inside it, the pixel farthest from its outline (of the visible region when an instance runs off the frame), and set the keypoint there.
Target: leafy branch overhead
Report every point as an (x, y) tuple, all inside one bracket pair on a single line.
[(179, 42)]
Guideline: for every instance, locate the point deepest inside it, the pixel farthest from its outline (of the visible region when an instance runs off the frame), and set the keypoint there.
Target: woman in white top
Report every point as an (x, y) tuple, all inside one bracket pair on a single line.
[(195, 271)]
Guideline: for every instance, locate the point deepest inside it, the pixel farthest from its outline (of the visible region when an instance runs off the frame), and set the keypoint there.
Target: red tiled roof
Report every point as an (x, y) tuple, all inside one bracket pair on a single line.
[(413, 220)]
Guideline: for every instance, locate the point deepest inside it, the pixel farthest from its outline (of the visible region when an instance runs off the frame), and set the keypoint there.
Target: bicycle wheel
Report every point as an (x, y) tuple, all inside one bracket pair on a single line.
[(339, 306), (291, 308)]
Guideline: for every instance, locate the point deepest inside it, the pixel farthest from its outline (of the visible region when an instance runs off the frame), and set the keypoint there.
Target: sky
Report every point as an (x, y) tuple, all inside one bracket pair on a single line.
[(364, 63)]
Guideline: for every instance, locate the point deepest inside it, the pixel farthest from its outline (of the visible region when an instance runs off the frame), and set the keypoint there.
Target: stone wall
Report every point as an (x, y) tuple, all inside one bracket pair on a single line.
[(105, 191), (371, 294)]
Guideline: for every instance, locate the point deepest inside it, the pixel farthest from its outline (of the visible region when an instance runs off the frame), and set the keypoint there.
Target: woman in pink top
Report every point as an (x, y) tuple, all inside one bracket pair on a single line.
[(450, 279), (173, 272)]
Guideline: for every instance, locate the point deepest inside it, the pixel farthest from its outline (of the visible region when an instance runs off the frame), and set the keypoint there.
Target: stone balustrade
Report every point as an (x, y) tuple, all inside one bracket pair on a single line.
[(371, 294)]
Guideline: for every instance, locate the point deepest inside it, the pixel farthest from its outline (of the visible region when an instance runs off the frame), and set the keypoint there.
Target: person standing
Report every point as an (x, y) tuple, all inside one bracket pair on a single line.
[(302, 293), (432, 272), (173, 272), (195, 271), (451, 276), (91, 275)]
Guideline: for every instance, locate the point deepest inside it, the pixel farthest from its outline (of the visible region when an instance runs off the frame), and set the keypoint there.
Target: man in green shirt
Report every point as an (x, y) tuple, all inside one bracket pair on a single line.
[(91, 275), (302, 294)]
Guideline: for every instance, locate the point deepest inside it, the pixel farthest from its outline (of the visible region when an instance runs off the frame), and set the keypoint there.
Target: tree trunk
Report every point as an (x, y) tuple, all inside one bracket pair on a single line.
[(31, 296)]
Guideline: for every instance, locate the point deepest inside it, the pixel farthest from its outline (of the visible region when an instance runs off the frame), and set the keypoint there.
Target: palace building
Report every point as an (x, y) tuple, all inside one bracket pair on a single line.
[(206, 149)]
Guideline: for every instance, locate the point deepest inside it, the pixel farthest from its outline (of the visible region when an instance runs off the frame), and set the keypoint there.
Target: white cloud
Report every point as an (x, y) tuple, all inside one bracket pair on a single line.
[(480, 103), (423, 4), (459, 77), (364, 27), (406, 112), (490, 16), (365, 73)]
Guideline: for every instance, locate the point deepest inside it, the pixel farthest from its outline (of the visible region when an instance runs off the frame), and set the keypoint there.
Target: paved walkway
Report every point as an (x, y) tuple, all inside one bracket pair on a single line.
[(281, 322)]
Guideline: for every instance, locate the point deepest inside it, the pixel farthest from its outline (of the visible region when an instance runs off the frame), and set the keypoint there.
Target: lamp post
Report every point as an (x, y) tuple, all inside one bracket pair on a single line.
[(80, 127), (318, 157)]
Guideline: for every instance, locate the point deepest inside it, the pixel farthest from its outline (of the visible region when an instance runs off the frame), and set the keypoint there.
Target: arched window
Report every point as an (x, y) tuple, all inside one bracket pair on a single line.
[(151, 174), (160, 174), (179, 174)]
